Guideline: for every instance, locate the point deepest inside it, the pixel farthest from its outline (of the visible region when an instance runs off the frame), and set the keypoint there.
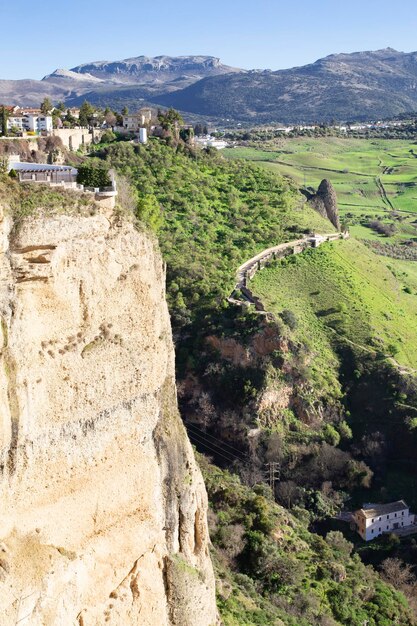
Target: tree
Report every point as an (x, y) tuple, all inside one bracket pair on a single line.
[(170, 120), (289, 318), (86, 113), (125, 111), (46, 106), (149, 211), (69, 120), (91, 175), (110, 118), (3, 120)]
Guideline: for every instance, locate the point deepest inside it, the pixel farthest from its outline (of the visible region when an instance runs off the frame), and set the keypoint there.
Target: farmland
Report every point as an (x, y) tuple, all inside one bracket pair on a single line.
[(371, 177)]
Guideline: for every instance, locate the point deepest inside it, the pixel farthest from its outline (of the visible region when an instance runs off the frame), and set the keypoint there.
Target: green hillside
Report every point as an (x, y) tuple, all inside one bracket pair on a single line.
[(272, 571), (345, 292), (314, 388)]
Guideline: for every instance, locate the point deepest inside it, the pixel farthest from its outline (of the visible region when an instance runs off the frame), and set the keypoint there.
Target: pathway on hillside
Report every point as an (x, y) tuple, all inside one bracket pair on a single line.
[(247, 270)]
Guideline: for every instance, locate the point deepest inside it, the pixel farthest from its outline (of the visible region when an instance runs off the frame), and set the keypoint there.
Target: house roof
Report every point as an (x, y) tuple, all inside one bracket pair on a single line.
[(374, 510), (41, 167)]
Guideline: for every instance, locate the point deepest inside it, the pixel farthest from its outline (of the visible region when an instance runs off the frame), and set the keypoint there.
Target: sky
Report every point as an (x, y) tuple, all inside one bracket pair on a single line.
[(267, 34)]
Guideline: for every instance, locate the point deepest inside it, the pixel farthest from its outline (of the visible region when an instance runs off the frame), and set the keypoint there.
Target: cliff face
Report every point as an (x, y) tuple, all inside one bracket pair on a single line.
[(325, 202), (103, 509)]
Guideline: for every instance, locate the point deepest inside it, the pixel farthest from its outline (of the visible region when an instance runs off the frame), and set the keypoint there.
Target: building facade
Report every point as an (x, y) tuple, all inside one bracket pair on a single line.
[(30, 122), (45, 173), (374, 520), (135, 121)]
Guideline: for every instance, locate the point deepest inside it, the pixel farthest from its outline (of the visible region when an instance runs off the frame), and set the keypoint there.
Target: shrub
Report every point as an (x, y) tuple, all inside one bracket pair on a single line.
[(93, 175), (289, 318)]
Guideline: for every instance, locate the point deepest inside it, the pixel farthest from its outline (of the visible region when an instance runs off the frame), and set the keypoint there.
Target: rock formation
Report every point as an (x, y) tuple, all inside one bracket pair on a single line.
[(103, 509), (325, 202)]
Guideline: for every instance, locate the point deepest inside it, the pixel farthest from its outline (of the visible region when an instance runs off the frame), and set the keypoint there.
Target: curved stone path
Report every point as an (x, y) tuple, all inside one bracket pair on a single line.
[(247, 270)]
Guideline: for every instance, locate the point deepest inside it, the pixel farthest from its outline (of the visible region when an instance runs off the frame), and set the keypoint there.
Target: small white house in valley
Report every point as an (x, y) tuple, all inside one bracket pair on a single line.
[(376, 519)]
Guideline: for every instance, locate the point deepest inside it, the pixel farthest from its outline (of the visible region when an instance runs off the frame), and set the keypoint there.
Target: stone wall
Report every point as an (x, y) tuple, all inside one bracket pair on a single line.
[(74, 138)]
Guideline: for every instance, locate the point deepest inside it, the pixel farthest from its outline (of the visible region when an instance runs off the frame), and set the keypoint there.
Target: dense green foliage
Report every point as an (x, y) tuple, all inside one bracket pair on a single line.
[(272, 570), (93, 175), (210, 215)]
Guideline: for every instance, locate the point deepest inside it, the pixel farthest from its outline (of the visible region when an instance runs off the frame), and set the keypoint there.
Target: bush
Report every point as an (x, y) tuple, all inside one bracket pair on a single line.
[(108, 137), (93, 175), (289, 318)]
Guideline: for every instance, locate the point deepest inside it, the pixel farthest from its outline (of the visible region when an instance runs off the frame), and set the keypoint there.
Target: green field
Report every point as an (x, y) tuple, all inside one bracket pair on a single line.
[(371, 177), (345, 290), (354, 166)]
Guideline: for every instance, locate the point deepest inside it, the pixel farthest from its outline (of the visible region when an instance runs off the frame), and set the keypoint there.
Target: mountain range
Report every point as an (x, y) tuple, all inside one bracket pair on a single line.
[(356, 86)]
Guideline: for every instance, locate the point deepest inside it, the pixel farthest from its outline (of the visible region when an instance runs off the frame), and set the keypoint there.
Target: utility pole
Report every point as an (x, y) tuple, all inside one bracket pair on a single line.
[(273, 474)]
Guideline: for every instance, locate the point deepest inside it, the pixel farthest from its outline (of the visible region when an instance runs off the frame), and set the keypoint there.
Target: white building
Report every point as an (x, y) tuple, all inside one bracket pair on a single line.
[(210, 142), (30, 123), (375, 519)]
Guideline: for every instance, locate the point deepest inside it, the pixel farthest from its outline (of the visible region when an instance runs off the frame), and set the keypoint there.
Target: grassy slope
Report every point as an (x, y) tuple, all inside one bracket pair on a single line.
[(348, 287)]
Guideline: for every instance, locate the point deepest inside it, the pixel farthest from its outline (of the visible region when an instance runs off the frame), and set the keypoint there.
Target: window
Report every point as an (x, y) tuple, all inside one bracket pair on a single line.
[(380, 519), (402, 512), (379, 529), (395, 515), (372, 531), (387, 527), (373, 520), (387, 516)]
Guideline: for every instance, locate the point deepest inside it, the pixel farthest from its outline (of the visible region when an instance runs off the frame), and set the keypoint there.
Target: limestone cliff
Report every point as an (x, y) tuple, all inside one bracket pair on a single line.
[(325, 202), (103, 509)]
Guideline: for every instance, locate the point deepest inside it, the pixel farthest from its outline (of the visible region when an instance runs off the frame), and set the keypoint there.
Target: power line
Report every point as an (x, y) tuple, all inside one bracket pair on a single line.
[(215, 440), (215, 448), (201, 439)]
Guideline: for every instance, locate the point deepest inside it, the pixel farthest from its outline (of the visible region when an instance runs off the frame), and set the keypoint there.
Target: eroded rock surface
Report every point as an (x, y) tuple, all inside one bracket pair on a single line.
[(103, 509), (325, 202)]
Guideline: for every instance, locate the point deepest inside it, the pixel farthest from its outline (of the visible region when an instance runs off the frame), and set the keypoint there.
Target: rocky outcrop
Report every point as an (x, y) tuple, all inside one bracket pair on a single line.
[(325, 202), (103, 509)]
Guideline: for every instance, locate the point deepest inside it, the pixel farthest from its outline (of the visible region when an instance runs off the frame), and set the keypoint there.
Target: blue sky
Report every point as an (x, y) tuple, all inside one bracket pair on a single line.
[(244, 33)]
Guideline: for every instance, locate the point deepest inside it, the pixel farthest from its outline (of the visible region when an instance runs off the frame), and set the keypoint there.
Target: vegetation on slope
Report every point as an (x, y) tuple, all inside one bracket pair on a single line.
[(210, 216), (351, 302), (23, 200), (272, 570), (257, 389), (347, 289)]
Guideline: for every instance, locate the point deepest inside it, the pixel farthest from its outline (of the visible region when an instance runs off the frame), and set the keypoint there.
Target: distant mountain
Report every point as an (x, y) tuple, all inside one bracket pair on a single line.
[(142, 69), (99, 81), (361, 85)]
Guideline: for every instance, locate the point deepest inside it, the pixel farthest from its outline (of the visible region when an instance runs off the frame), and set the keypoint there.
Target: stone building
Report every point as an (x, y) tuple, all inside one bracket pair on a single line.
[(134, 121)]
